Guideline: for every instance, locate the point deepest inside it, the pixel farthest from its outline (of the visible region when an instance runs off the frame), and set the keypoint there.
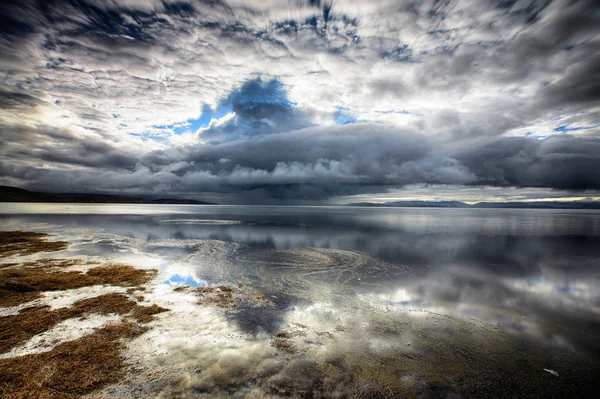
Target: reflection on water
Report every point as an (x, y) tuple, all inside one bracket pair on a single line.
[(534, 272)]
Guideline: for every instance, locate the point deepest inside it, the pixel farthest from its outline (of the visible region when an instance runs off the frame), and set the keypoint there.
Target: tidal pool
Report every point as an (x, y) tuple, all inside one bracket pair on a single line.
[(346, 302)]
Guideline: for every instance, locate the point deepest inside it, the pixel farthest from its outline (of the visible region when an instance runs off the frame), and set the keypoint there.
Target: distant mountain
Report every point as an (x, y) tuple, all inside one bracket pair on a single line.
[(458, 204), (540, 205), (13, 194), (429, 204), (415, 204)]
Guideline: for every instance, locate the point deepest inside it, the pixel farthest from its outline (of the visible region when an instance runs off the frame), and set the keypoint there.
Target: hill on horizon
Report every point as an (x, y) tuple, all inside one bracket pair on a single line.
[(511, 204), (15, 194)]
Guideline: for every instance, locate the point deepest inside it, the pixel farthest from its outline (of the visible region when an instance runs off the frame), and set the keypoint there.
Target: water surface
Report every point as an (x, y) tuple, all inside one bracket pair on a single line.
[(534, 274)]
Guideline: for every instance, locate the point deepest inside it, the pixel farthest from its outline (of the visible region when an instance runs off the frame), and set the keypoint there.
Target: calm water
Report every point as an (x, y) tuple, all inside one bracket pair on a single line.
[(535, 272)]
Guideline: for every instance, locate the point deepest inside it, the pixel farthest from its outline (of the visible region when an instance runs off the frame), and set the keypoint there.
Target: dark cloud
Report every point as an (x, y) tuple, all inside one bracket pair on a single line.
[(563, 162), (310, 164), (260, 107), (48, 145), (10, 100), (580, 86)]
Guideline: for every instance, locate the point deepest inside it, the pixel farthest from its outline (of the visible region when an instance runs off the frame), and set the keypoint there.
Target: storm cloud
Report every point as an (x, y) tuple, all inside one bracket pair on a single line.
[(260, 101)]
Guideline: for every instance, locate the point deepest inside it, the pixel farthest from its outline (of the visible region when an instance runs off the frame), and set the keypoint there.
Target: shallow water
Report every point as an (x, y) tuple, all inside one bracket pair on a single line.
[(534, 274)]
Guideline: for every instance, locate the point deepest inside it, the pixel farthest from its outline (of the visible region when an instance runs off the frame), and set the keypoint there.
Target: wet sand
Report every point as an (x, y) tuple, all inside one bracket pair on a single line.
[(86, 326)]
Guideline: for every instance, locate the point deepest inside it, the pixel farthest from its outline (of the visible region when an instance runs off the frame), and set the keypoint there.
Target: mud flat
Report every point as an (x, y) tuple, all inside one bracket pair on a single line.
[(85, 327)]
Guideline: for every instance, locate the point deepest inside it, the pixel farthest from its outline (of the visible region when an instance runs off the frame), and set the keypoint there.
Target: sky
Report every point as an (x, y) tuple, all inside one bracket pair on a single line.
[(302, 101)]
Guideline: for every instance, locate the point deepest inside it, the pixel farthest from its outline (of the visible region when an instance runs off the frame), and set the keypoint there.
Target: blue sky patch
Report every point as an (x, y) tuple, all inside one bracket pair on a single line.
[(344, 118), (535, 136), (255, 101), (567, 128), (203, 121)]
